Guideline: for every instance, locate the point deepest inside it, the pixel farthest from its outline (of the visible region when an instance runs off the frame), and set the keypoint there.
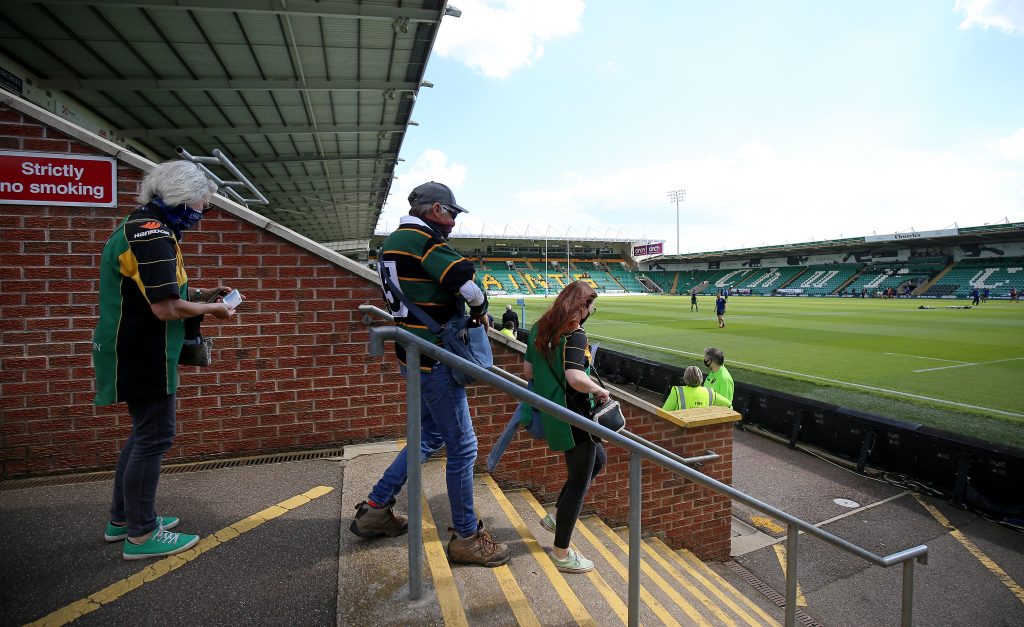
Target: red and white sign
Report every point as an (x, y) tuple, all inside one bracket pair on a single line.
[(43, 178)]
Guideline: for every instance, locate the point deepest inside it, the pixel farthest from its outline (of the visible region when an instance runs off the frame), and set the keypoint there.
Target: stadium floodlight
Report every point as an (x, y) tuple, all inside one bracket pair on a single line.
[(677, 196)]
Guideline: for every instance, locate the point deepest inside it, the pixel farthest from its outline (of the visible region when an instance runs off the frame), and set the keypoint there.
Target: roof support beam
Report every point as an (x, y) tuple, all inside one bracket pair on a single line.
[(291, 7), (242, 84), (384, 156), (268, 129)]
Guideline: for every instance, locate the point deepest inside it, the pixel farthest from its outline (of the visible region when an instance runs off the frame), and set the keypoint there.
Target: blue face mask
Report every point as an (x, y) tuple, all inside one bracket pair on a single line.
[(180, 217)]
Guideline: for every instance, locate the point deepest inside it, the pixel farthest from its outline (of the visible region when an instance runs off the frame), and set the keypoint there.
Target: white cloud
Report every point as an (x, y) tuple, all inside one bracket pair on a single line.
[(432, 165), (496, 37), (1005, 15), (755, 197), (1011, 148)]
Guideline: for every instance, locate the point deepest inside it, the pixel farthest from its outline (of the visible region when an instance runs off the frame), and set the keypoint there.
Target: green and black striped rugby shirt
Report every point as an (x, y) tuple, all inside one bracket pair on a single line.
[(428, 271)]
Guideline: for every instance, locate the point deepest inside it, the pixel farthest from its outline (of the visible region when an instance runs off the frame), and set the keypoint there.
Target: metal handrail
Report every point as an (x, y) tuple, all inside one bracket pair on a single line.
[(369, 312), (415, 346)]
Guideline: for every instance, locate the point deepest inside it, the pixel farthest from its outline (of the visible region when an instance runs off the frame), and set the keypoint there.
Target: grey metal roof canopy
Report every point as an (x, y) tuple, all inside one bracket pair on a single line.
[(311, 98)]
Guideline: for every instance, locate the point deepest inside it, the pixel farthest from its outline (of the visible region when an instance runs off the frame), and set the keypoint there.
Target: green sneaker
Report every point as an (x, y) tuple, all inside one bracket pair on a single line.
[(160, 544), (548, 522), (114, 532), (573, 563)]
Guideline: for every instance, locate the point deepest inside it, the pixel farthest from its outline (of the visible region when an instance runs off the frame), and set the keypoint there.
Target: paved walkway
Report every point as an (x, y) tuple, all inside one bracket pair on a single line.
[(273, 532)]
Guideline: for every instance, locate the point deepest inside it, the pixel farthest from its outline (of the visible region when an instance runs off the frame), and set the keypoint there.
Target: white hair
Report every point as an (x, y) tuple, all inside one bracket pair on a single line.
[(176, 183)]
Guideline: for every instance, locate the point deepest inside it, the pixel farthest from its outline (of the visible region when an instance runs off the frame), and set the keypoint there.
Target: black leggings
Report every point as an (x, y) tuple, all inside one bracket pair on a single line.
[(582, 462)]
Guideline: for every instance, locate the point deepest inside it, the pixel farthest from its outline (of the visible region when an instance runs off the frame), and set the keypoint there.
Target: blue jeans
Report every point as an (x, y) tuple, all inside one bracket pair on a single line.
[(445, 421), (138, 467)]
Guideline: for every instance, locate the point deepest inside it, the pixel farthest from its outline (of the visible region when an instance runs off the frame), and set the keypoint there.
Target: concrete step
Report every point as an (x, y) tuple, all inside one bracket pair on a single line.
[(676, 588), (373, 575)]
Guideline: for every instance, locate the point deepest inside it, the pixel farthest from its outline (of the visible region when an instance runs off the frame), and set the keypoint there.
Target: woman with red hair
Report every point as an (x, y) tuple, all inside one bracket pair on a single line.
[(558, 361)]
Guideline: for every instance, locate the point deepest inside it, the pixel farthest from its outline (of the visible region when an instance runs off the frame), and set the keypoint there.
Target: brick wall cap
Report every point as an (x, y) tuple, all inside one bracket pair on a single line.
[(700, 416)]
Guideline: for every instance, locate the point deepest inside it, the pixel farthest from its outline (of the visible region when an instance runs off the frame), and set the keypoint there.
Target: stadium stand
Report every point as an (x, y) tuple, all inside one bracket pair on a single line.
[(879, 277), (998, 275), (626, 279), (766, 280), (665, 280), (727, 279), (692, 279), (822, 280)]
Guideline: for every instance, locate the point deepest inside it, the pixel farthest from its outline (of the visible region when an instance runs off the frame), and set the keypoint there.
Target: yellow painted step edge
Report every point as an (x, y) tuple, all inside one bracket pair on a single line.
[(723, 618), (620, 568), (595, 577), (561, 587), (723, 595), (448, 598), (691, 559), (658, 580)]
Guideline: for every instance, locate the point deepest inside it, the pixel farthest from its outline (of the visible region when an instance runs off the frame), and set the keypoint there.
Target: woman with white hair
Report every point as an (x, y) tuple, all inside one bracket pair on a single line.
[(691, 394), (144, 301)]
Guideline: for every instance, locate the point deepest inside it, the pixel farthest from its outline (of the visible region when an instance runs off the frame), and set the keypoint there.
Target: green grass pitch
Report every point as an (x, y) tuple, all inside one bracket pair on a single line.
[(961, 370)]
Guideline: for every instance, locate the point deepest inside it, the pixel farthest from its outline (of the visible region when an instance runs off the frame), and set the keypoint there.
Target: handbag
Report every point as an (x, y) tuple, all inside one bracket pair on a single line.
[(608, 414), (196, 349), (460, 336)]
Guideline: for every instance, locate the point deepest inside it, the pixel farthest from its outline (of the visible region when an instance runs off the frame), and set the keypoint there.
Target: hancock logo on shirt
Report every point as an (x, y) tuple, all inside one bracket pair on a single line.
[(142, 234)]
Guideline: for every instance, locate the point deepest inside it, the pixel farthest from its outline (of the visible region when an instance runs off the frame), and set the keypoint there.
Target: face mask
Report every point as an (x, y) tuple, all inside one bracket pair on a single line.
[(180, 217), (707, 362), (444, 229)]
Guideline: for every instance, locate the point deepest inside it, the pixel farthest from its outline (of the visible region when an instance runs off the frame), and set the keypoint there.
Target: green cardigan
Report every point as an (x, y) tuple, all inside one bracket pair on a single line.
[(549, 382)]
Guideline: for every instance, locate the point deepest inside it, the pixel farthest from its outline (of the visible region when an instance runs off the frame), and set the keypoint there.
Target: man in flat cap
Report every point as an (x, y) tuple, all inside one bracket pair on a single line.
[(417, 261)]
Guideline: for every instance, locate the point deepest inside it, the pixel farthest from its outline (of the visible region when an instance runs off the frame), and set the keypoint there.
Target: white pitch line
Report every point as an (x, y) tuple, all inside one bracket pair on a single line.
[(980, 363), (956, 361), (811, 376)]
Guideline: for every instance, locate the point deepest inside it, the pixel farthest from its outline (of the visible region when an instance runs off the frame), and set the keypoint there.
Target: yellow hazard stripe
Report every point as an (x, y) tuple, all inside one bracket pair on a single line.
[(158, 569), (595, 577), (558, 582), (780, 553), (441, 572), (980, 555)]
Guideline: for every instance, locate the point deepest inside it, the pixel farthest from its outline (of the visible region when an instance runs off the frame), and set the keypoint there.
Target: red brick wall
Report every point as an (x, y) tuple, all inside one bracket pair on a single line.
[(682, 512), (291, 371)]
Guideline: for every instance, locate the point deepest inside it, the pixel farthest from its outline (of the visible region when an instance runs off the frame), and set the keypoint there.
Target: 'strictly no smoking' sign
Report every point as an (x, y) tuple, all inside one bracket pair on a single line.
[(41, 178)]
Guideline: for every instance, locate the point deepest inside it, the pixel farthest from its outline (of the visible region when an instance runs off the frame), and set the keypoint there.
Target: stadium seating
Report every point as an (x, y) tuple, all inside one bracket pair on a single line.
[(665, 280), (880, 277), (998, 275), (690, 279), (825, 279), (766, 280), (727, 279), (626, 279)]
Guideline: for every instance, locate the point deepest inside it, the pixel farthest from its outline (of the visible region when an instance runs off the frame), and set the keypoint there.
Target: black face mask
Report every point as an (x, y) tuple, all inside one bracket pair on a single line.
[(707, 362), (444, 229)]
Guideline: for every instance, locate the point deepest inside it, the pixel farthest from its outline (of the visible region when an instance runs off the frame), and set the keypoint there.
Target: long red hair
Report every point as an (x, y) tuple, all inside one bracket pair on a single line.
[(563, 316)]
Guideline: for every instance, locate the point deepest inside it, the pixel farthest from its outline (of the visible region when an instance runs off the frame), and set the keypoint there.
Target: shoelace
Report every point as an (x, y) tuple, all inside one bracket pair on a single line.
[(167, 537), (488, 543)]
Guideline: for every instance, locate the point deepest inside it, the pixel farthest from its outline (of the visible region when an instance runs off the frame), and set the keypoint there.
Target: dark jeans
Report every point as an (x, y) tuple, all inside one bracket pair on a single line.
[(582, 462), (138, 467)]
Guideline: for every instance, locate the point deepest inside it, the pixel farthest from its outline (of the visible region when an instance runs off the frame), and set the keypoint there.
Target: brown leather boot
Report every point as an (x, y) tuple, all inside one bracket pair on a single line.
[(371, 522), (479, 549)]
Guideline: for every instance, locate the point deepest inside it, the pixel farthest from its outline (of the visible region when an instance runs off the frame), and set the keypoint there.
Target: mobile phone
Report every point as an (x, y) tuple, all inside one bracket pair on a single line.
[(233, 299)]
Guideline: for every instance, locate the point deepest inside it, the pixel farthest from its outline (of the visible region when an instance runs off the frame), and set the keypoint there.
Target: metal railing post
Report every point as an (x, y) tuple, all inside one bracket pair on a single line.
[(414, 471), (792, 533), (635, 506), (907, 609)]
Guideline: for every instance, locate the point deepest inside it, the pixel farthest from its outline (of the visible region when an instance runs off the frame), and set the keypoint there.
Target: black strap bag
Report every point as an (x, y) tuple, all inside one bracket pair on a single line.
[(197, 350)]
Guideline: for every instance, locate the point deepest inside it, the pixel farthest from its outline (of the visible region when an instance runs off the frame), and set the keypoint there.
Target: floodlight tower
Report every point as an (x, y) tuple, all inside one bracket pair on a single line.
[(677, 195)]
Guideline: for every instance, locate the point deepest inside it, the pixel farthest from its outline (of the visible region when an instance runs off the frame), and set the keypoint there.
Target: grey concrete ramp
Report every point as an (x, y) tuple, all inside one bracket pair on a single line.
[(373, 579)]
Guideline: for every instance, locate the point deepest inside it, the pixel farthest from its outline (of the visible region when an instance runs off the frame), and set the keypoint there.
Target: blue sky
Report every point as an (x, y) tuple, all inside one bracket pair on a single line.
[(784, 121)]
